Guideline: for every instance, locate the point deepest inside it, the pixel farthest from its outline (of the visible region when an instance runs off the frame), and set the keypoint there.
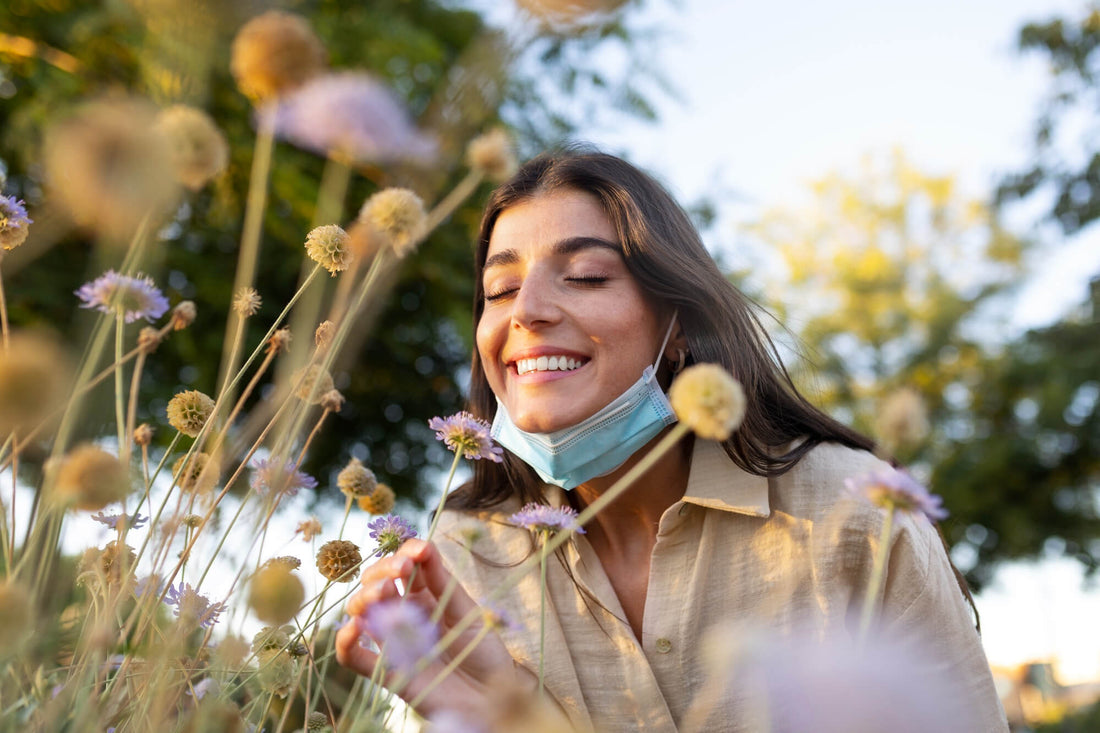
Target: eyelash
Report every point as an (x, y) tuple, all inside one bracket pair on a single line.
[(586, 280)]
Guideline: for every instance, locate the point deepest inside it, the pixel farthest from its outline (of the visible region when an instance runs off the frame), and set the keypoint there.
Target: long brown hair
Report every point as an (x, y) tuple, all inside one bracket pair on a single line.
[(665, 254)]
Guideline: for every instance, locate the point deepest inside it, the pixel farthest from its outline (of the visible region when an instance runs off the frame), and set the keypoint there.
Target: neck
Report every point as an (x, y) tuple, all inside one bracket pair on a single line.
[(633, 517)]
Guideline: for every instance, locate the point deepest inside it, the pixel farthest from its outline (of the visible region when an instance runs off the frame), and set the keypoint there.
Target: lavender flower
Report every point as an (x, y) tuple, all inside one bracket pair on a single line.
[(280, 477), (390, 531), (403, 631), (192, 605), (111, 520), (13, 222), (543, 518), (463, 433), (130, 297), (892, 489), (351, 115)]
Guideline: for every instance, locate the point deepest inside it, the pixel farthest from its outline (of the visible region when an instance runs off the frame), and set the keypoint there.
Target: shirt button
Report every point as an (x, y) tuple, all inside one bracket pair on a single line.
[(664, 646)]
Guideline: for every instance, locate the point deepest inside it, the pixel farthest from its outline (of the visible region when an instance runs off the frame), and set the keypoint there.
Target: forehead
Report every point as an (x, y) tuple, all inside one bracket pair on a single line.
[(548, 218)]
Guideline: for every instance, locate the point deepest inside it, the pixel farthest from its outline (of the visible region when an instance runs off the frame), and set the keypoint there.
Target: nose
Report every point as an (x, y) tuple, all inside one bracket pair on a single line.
[(535, 304)]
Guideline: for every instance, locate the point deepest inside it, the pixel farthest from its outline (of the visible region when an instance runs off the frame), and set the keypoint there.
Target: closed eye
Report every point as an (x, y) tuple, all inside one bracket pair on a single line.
[(588, 279), (497, 295)]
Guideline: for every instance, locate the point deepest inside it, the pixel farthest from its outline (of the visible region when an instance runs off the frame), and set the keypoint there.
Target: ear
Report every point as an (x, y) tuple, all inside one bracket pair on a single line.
[(677, 343)]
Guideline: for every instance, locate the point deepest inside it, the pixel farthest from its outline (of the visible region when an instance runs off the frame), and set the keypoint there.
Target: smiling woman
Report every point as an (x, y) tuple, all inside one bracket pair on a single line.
[(593, 291)]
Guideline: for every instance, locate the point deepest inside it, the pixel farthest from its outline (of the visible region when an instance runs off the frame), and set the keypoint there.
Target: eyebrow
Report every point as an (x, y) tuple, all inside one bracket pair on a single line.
[(564, 247)]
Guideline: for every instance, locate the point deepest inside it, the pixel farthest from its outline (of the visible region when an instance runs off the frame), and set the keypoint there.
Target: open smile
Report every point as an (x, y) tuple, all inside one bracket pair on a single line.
[(556, 363)]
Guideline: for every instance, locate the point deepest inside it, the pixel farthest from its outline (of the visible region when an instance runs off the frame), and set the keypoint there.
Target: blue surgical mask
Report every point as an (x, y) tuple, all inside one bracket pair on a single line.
[(599, 444)]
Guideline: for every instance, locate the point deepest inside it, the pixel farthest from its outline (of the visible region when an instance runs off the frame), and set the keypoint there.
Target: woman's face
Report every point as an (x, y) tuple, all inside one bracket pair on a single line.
[(565, 327)]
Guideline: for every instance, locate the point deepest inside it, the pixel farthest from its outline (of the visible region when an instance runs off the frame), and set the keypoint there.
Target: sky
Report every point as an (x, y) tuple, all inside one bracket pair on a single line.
[(773, 95)]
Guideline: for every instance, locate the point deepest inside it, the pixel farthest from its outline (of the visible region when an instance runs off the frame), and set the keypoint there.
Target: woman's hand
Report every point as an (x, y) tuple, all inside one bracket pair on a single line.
[(465, 687)]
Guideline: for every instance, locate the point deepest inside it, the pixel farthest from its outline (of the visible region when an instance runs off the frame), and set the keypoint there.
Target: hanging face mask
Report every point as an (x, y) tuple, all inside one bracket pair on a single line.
[(599, 444)]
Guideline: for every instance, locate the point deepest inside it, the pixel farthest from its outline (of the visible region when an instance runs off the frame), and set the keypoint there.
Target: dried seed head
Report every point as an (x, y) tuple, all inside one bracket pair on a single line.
[(708, 400), (246, 302), (199, 150), (286, 562), (199, 475), (317, 722), (275, 53), (380, 501), (149, 339), (328, 246), (339, 560), (332, 400), (143, 434), (192, 521), (279, 341), (35, 379), (902, 420), (356, 480), (312, 383), (275, 594), (309, 528), (491, 154), (188, 411), (16, 616), (397, 217), (323, 335), (89, 478), (278, 671), (183, 315)]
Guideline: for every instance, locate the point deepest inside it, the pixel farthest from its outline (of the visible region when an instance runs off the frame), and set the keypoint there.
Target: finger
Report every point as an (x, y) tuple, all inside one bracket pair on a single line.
[(433, 578), (379, 590), (351, 653)]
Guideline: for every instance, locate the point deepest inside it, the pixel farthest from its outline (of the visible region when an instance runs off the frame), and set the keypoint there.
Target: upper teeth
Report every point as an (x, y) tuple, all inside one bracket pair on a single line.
[(546, 364)]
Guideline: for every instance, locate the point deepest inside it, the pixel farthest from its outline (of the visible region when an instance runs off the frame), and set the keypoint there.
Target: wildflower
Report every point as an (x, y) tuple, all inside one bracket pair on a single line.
[(199, 150), (338, 560), (280, 477), (491, 154), (149, 339), (278, 672), (279, 341), (287, 562), (902, 420), (390, 532), (317, 721), (271, 637), (708, 400), (188, 411), (350, 116), (134, 521), (192, 521), (107, 163), (183, 315), (115, 562), (35, 379), (193, 607), (309, 528), (128, 297), (275, 594), (143, 434), (197, 473), (332, 400), (327, 245), (312, 382), (16, 616), (380, 501), (246, 302), (356, 480), (543, 518), (402, 629), (397, 217), (90, 478), (206, 686), (322, 337), (14, 222), (466, 435), (274, 53), (892, 489)]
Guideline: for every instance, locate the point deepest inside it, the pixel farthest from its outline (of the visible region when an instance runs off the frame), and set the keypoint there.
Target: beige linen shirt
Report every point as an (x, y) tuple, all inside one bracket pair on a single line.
[(790, 554)]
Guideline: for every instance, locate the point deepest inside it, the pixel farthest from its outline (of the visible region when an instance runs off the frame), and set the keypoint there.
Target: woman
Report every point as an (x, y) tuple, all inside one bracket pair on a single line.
[(593, 289)]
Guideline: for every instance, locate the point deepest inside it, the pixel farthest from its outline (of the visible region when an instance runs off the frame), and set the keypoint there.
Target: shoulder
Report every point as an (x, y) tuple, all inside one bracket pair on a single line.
[(816, 483)]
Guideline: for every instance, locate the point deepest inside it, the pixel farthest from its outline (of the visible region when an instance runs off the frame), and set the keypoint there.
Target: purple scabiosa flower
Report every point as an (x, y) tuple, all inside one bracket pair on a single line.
[(390, 531), (893, 489), (402, 630), (350, 115), (130, 297), (455, 721), (13, 222), (192, 605), (112, 520), (544, 518), (463, 433), (279, 477)]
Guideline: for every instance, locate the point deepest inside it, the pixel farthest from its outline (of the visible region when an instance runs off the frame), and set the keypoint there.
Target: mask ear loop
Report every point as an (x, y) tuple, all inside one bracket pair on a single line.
[(668, 335)]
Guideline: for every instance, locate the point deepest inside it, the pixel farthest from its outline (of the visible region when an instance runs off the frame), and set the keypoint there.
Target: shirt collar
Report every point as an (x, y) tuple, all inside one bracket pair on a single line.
[(715, 482)]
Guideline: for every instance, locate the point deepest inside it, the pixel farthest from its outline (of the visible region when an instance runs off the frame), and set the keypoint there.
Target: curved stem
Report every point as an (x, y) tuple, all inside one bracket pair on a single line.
[(443, 499), (878, 572)]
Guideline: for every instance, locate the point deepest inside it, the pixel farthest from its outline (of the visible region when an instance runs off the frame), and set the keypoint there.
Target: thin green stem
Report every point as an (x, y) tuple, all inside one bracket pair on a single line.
[(3, 309), (443, 499)]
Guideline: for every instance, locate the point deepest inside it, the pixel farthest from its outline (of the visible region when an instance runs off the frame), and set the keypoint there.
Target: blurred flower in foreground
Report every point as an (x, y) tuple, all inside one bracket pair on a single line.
[(902, 420), (492, 155), (199, 149), (193, 607), (189, 411), (278, 671), (338, 560), (196, 473), (317, 721), (135, 521), (275, 594), (708, 400), (356, 480), (390, 532), (110, 167), (543, 518), (309, 528), (14, 222), (894, 489), (272, 475), (349, 116), (275, 53), (35, 378), (403, 631), (328, 246), (129, 297), (90, 478), (246, 302), (183, 315), (379, 501), (16, 614), (466, 435), (395, 218)]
